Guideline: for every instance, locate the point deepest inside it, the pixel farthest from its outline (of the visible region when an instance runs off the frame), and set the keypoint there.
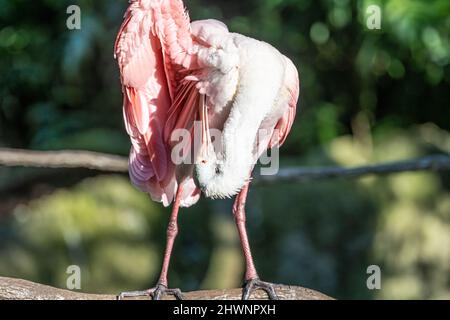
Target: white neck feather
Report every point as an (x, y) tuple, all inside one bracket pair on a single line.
[(223, 173)]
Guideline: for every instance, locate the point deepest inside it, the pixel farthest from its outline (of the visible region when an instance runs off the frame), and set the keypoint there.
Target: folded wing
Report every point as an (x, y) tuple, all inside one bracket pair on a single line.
[(284, 125), (154, 50)]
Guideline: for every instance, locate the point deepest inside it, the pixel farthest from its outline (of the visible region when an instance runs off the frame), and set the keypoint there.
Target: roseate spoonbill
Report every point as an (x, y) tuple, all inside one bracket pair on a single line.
[(175, 73)]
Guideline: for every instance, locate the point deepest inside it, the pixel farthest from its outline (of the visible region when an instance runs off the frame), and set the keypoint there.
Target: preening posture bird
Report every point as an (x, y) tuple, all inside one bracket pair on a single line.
[(178, 76)]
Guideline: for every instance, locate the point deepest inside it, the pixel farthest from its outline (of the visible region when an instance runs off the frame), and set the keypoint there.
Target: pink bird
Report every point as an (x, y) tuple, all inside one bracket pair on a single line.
[(178, 76)]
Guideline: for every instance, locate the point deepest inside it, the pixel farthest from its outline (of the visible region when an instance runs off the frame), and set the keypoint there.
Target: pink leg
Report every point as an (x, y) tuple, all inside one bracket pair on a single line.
[(172, 232), (161, 287), (240, 219), (252, 281)]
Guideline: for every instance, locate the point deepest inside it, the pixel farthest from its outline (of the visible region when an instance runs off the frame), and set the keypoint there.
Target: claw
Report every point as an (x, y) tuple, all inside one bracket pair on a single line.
[(256, 284), (156, 293), (161, 290)]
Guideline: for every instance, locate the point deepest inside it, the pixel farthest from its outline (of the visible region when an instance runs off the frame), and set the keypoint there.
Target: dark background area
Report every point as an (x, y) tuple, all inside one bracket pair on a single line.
[(367, 96)]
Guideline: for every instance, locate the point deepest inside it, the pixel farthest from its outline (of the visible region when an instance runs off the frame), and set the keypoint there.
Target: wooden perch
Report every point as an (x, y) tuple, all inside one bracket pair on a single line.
[(113, 163), (17, 289)]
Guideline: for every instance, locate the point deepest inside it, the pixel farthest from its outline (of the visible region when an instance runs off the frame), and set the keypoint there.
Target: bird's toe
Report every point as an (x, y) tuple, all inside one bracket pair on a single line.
[(256, 284), (156, 293), (162, 290)]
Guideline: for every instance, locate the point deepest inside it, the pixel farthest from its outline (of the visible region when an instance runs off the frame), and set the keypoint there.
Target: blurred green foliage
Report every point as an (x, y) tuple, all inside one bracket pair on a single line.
[(366, 96)]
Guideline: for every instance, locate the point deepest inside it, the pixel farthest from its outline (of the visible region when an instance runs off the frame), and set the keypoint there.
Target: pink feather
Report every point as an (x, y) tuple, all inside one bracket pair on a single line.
[(164, 82), (153, 46)]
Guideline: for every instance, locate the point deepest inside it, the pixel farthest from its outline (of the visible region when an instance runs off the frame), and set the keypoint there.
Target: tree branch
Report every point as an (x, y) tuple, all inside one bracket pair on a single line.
[(63, 159), (112, 163), (17, 289), (432, 163)]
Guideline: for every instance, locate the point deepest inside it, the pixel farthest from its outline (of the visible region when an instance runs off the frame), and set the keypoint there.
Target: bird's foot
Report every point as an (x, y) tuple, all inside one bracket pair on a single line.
[(162, 290), (256, 284), (155, 293)]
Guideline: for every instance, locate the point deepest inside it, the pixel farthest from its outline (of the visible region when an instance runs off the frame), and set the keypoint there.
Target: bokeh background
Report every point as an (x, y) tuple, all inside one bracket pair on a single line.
[(367, 96)]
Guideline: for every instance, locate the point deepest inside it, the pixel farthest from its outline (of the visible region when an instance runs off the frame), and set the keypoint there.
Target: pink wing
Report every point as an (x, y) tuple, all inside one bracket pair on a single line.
[(153, 48), (284, 125)]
